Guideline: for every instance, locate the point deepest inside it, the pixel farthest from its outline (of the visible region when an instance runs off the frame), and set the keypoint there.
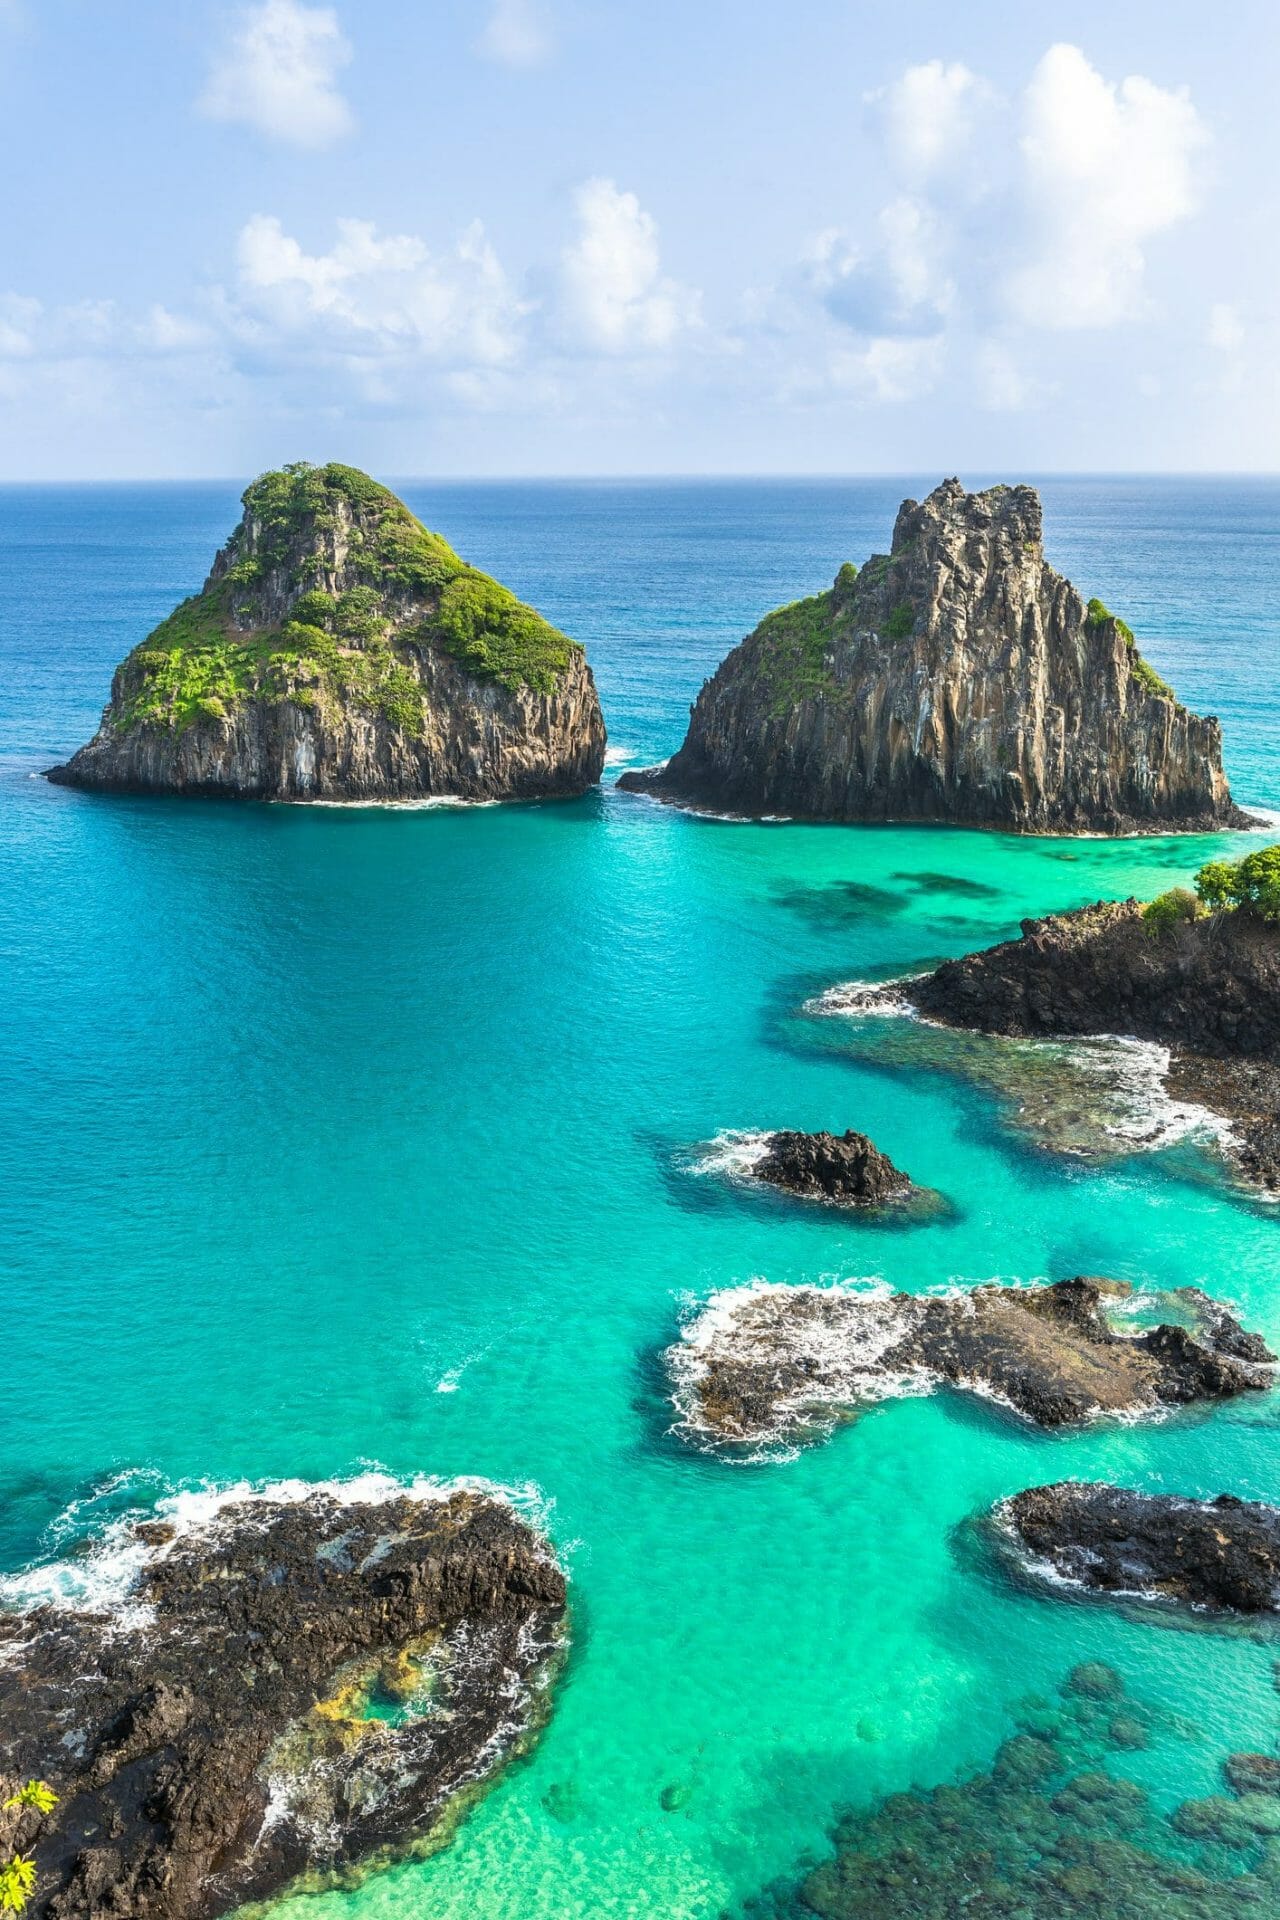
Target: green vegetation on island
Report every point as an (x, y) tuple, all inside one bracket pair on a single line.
[(18, 1870), (1222, 886), (1097, 615), (270, 625)]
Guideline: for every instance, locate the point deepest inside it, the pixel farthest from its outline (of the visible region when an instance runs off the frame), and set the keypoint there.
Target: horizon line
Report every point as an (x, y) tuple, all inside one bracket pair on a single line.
[(654, 478)]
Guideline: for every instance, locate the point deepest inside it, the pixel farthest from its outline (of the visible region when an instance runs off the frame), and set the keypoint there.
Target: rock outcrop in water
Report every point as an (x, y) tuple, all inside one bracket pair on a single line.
[(1222, 1554), (292, 1685), (1209, 989), (338, 650), (957, 678), (847, 1169), (763, 1364), (1053, 1829)]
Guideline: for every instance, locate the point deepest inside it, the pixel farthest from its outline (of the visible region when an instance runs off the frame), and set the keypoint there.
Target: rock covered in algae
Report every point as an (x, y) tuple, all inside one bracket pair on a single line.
[(1221, 1554), (287, 1685), (1050, 1831), (956, 678), (339, 650), (766, 1363)]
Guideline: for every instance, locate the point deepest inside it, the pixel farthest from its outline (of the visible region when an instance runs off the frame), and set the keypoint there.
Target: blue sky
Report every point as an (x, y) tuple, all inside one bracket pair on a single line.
[(549, 236)]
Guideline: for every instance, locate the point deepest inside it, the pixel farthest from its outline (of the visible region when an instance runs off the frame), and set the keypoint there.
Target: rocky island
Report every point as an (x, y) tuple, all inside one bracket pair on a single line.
[(956, 678), (1221, 1554), (1198, 973), (845, 1169), (762, 1364), (290, 1686), (340, 651)]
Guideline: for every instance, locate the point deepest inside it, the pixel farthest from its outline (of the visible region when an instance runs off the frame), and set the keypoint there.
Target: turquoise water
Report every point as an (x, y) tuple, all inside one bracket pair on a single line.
[(338, 1136)]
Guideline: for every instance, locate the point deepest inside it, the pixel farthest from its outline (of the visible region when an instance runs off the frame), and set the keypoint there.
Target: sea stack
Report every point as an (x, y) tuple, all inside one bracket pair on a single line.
[(957, 678), (340, 651)]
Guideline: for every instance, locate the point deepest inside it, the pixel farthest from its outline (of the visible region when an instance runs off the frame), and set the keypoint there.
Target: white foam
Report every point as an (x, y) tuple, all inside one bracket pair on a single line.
[(857, 1322), (105, 1578), (620, 756), (1147, 1114), (734, 1151), (882, 999), (424, 804)]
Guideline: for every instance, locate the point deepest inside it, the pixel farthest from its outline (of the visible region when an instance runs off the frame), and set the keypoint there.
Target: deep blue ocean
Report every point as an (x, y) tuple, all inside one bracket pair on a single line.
[(343, 1137)]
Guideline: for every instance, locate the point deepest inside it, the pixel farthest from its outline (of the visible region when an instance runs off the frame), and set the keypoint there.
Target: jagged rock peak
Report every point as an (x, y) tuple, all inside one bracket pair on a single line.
[(958, 677), (340, 650)]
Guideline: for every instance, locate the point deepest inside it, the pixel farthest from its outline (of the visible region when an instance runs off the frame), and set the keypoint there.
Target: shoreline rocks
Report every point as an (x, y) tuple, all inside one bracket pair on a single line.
[(846, 1169), (340, 651), (1208, 989), (957, 678), (1223, 1554), (288, 1687), (774, 1363)]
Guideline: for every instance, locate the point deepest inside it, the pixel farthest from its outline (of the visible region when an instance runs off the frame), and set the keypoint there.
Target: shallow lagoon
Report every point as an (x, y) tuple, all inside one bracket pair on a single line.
[(333, 1136)]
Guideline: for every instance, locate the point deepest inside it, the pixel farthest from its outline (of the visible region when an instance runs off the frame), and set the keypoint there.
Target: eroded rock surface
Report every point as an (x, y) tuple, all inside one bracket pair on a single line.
[(956, 678), (848, 1169), (1222, 1554), (341, 651), (769, 1363), (291, 1684)]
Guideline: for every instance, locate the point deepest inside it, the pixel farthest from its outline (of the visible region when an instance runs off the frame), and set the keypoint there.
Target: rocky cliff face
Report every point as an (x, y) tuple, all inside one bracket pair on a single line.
[(338, 650), (957, 678)]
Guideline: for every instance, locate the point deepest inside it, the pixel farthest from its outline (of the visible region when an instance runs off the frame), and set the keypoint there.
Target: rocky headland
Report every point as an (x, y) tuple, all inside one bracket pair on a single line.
[(340, 651), (764, 1364), (1221, 1554), (289, 1686), (958, 678), (1207, 988)]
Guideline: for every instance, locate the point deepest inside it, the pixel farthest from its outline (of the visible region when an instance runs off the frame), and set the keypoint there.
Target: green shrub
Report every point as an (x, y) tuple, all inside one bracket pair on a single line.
[(1253, 882), (18, 1872), (1097, 615), (793, 642), (491, 633), (1175, 908), (901, 621), (845, 579)]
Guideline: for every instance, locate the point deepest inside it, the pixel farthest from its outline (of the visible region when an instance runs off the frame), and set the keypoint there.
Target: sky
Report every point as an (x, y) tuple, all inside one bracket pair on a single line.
[(551, 237)]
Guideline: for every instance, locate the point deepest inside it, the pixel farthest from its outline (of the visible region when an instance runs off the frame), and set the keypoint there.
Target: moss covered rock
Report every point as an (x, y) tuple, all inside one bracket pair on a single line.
[(339, 650)]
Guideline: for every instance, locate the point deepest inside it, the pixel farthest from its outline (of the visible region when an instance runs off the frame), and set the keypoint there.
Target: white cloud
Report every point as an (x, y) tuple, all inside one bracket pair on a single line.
[(1105, 169), (900, 286), (929, 115), (516, 34), (372, 294), (615, 297), (278, 73), (1226, 329), (888, 370)]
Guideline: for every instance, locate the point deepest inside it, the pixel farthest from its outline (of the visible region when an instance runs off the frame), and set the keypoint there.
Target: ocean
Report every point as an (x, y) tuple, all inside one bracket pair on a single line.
[(346, 1137)]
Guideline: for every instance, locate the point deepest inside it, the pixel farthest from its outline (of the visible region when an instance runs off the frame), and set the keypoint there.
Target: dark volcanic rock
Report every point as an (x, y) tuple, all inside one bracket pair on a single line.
[(764, 1363), (1050, 1830), (1208, 989), (339, 650), (958, 678), (1223, 1553), (292, 1685), (847, 1168)]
